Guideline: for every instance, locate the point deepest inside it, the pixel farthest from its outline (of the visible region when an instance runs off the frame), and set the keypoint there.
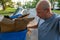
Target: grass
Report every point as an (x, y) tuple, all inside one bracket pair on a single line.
[(8, 11), (56, 11)]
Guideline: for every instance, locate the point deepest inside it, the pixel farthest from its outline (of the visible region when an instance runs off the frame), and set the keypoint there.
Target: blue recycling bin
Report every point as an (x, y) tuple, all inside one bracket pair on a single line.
[(17, 13), (15, 16), (20, 35)]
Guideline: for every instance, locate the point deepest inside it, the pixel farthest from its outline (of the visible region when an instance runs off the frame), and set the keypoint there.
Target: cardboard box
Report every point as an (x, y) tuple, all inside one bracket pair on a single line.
[(7, 25), (21, 23), (18, 24)]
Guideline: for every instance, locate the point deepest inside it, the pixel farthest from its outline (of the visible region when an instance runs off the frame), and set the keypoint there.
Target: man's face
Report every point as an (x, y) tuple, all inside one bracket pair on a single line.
[(40, 12)]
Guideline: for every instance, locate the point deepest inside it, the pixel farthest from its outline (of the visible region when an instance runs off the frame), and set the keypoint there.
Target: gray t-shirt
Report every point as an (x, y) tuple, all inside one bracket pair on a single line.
[(49, 29)]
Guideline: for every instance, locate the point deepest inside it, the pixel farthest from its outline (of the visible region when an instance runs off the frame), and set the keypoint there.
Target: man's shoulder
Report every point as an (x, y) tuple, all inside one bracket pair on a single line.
[(58, 17)]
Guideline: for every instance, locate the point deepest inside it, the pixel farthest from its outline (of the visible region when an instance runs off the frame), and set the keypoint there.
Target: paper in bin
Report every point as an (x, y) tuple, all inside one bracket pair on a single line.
[(8, 25), (22, 23)]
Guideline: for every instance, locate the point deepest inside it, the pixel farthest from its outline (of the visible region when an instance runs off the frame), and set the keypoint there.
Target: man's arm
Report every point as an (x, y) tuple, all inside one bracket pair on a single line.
[(35, 26)]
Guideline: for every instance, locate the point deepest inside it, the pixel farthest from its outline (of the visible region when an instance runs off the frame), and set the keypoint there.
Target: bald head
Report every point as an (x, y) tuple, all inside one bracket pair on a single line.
[(43, 9), (44, 4)]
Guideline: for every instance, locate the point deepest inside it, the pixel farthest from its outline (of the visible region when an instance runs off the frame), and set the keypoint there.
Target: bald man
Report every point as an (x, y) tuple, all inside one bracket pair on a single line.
[(49, 29)]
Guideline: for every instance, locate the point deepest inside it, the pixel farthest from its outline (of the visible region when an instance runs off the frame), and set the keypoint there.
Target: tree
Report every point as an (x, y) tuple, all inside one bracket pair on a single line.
[(31, 4), (3, 2), (28, 5), (59, 3), (52, 3), (34, 3), (19, 3)]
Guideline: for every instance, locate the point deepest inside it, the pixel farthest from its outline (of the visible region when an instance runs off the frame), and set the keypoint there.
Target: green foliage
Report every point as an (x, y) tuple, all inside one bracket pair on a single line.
[(19, 3), (3, 2), (7, 11), (28, 5), (31, 4), (10, 4), (59, 3), (34, 3)]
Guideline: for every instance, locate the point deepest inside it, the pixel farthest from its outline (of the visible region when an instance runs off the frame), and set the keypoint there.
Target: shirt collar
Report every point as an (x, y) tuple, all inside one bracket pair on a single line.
[(51, 18)]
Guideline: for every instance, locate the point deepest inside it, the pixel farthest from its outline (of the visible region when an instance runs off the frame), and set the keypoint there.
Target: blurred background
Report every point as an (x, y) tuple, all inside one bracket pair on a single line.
[(8, 7)]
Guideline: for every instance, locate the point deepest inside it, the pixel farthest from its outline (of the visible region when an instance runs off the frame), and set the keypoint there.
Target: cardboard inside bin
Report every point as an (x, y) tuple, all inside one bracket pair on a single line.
[(21, 23), (8, 25)]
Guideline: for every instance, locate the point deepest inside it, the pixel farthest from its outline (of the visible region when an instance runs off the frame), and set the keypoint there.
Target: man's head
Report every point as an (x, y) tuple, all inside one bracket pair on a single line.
[(43, 9)]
